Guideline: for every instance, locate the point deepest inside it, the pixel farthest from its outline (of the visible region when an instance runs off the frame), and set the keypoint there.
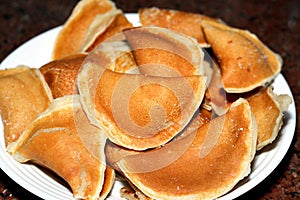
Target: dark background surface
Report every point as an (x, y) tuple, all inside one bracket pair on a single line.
[(275, 22)]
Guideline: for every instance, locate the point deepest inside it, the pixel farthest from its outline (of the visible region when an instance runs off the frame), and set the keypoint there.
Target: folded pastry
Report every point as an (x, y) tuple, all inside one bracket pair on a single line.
[(72, 36), (184, 22), (53, 141), (104, 27), (268, 109), (23, 95), (137, 111), (163, 52), (246, 63), (204, 169), (61, 74)]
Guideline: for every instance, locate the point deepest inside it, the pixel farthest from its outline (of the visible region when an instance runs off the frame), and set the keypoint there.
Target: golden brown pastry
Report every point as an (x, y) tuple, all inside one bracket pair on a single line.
[(268, 109), (70, 39), (220, 151), (23, 95), (53, 141), (61, 74), (101, 30), (139, 111), (246, 63)]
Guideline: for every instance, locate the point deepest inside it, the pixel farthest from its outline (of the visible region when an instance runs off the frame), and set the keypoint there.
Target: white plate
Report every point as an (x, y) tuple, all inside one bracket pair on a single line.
[(37, 52)]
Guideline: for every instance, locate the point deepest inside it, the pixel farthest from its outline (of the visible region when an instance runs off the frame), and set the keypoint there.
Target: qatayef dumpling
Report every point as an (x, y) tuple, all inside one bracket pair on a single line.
[(246, 63), (70, 39), (103, 27), (139, 111), (268, 108), (24, 94), (53, 141), (205, 168)]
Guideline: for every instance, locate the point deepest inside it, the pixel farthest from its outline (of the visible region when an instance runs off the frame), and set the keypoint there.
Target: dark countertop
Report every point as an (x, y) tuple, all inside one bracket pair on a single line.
[(275, 22)]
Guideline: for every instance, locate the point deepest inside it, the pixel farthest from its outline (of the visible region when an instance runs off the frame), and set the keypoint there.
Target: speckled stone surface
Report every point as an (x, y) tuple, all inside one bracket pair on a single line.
[(275, 22)]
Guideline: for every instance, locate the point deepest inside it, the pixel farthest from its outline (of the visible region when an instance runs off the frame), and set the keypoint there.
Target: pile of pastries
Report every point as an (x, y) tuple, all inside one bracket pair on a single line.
[(177, 107)]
